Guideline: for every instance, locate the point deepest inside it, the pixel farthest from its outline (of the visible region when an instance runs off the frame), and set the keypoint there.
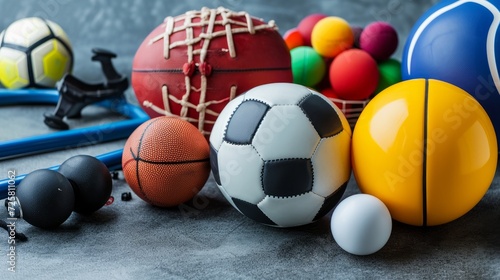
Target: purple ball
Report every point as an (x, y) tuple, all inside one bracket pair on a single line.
[(379, 39)]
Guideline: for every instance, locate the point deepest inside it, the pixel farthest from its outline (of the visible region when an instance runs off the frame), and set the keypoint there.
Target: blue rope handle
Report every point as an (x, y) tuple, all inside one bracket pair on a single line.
[(69, 138)]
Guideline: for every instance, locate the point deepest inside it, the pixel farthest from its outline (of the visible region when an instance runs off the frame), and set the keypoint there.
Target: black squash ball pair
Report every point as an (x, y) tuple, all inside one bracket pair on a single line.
[(47, 197)]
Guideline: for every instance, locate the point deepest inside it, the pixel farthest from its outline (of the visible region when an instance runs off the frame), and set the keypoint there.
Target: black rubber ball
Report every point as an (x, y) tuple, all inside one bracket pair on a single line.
[(46, 198), (91, 182)]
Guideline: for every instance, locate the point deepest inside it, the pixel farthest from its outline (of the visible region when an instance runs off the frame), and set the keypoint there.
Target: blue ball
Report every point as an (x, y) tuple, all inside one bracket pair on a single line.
[(457, 42)]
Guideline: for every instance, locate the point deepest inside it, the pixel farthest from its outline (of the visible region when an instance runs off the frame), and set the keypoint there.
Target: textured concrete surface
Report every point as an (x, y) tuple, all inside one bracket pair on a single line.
[(207, 238)]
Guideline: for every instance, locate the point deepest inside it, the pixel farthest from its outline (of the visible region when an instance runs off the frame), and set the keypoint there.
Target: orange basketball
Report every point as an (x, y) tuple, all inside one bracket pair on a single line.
[(166, 161)]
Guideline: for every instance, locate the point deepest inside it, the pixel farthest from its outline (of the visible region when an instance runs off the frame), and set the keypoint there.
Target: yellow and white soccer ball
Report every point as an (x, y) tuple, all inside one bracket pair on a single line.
[(34, 52)]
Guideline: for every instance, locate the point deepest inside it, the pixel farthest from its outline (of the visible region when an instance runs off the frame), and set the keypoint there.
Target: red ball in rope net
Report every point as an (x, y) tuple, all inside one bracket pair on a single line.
[(192, 65)]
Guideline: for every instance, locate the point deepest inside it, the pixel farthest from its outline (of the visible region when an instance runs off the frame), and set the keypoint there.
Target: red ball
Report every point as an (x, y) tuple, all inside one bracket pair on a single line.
[(379, 39), (192, 65), (306, 26), (354, 75), (293, 38)]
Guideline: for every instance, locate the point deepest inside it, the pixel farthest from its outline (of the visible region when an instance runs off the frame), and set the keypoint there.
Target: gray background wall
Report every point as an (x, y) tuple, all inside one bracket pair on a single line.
[(122, 25)]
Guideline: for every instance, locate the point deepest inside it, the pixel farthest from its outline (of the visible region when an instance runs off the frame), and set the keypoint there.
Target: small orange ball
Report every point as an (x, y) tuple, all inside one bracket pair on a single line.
[(166, 161)]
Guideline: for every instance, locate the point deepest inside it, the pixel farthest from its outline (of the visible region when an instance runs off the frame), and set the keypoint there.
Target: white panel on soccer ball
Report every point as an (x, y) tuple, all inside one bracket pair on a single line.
[(292, 211), (37, 56), (13, 58), (26, 32), (332, 164), (267, 93), (345, 122), (59, 32), (240, 169), (219, 128), (59, 62), (285, 132), (64, 51)]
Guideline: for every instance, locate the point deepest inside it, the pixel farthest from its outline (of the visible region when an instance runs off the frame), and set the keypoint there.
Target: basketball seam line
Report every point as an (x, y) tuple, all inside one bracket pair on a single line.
[(424, 154), (168, 162), (137, 162)]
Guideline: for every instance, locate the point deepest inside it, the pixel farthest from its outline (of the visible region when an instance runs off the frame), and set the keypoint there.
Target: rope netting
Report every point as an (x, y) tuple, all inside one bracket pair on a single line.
[(351, 108), (205, 20)]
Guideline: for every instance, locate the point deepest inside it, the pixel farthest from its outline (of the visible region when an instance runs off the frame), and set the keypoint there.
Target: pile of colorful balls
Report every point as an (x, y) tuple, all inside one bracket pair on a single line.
[(348, 64)]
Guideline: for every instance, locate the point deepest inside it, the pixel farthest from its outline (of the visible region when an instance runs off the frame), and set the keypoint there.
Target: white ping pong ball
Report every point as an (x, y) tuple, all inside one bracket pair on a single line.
[(361, 224)]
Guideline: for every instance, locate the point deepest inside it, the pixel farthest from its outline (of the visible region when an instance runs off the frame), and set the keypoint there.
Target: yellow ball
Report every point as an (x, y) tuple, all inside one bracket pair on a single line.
[(427, 149), (331, 36)]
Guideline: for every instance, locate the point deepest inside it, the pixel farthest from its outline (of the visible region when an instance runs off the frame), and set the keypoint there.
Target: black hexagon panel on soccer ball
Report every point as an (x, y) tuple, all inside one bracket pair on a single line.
[(331, 201), (214, 164), (252, 211), (245, 121), (323, 117), (287, 177)]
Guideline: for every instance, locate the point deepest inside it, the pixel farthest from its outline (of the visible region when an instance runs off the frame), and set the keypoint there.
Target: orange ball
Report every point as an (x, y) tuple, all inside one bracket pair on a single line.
[(293, 39), (166, 161), (331, 36), (354, 75)]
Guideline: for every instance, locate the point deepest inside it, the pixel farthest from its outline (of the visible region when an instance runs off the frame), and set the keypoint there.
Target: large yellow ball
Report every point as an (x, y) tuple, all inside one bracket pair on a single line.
[(427, 149)]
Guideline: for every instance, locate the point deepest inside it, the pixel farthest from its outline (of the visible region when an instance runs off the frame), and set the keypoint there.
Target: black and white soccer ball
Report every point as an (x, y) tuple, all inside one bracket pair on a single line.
[(280, 154)]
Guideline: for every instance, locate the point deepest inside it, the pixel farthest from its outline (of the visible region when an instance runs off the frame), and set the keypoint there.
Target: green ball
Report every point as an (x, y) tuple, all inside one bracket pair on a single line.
[(308, 67), (390, 74)]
